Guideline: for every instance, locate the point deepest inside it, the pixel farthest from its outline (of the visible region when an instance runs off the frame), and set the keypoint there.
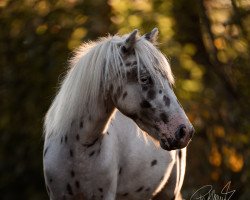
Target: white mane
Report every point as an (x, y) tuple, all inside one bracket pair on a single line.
[(89, 75)]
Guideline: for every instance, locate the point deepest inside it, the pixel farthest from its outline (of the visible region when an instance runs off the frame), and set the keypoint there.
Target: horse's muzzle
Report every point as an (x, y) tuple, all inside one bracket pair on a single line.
[(182, 138)]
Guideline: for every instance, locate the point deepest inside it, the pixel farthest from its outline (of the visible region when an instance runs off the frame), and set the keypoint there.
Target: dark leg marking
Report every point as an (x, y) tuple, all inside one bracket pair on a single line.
[(45, 151), (140, 189), (69, 189), (164, 118), (166, 100), (145, 104), (71, 153), (65, 139), (92, 153), (77, 137), (91, 144), (151, 94), (72, 173), (154, 162), (77, 184), (124, 95), (180, 154)]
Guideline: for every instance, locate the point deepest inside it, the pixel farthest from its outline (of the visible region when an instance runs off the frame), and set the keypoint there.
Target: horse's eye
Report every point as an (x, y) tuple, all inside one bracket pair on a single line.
[(146, 80)]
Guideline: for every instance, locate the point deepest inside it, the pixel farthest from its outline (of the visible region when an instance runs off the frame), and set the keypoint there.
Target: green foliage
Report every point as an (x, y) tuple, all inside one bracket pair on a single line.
[(207, 43), (36, 40)]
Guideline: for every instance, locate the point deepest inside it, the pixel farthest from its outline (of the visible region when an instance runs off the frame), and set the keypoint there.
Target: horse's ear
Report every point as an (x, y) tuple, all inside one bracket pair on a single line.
[(152, 36), (130, 42)]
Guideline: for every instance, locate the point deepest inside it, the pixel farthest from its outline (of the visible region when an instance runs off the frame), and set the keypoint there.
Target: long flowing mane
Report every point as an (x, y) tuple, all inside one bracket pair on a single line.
[(90, 71)]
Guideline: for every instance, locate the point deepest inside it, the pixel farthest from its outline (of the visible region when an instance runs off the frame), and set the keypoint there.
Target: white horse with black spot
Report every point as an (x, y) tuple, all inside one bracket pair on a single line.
[(102, 131)]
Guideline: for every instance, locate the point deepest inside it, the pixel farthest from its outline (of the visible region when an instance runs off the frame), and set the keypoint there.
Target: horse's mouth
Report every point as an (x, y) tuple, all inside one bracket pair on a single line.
[(172, 144)]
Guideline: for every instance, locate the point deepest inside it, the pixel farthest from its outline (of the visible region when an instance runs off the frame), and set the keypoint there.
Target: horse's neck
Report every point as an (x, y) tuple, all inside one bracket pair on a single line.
[(95, 122)]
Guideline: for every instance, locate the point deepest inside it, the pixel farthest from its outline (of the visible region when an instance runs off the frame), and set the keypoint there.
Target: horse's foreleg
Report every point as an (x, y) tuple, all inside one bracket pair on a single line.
[(171, 190)]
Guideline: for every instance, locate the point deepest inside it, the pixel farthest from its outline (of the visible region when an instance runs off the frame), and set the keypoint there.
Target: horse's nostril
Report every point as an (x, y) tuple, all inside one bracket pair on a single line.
[(182, 131)]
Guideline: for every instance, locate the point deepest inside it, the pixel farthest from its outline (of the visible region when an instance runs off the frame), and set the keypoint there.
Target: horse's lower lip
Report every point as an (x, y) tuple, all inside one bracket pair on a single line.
[(164, 146)]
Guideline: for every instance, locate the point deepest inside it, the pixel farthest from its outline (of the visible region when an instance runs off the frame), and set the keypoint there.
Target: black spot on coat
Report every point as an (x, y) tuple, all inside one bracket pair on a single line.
[(71, 153), (151, 94), (144, 87), (145, 104), (92, 153), (77, 184), (69, 189), (81, 124), (154, 162), (166, 101), (91, 144), (72, 173), (77, 137), (124, 95), (140, 189), (164, 118)]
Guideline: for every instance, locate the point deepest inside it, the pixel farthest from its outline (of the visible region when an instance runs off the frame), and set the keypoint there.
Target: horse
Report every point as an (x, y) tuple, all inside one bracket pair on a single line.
[(115, 129)]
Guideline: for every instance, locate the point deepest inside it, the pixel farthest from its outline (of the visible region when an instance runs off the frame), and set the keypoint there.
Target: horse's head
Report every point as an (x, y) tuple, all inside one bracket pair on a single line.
[(146, 95)]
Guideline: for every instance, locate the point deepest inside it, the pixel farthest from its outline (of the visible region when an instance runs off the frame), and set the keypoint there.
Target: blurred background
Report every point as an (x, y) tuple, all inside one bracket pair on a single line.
[(206, 41)]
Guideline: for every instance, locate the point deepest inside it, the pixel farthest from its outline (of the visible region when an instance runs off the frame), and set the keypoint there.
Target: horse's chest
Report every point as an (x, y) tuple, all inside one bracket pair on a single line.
[(140, 181)]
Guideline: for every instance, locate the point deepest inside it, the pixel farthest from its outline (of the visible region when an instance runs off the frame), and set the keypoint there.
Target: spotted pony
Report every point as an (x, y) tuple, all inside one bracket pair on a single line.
[(115, 129)]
